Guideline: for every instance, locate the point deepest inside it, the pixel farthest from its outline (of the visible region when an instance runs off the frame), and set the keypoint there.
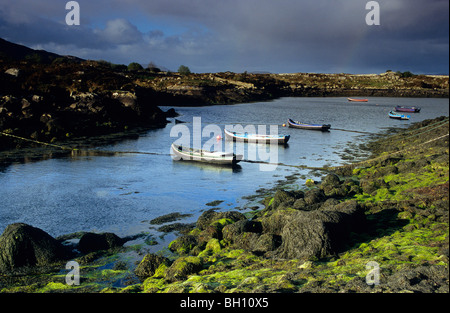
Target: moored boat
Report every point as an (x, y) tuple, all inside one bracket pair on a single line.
[(256, 138), (214, 157), (357, 100), (295, 124), (407, 109), (397, 116)]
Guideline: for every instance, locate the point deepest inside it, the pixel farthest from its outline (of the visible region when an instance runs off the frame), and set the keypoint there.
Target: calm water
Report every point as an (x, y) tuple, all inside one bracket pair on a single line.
[(122, 193)]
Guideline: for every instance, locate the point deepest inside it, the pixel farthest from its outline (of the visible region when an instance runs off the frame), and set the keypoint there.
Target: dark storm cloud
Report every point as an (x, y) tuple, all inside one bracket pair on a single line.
[(36, 30), (238, 35)]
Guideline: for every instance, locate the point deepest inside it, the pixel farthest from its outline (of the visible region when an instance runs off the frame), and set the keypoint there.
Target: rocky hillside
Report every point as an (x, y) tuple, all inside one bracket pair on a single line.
[(224, 88), (389, 84), (70, 98)]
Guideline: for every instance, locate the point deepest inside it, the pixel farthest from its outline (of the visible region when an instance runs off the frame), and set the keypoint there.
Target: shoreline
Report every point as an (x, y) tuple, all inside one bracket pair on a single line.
[(83, 98), (401, 199)]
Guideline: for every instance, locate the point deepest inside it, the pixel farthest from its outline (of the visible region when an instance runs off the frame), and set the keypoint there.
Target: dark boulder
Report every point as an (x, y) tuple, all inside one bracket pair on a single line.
[(231, 231), (273, 224), (212, 231), (356, 219), (91, 242), (320, 233), (333, 187), (300, 204), (284, 197), (314, 196), (22, 245), (331, 180), (246, 241), (171, 113), (209, 216), (266, 243)]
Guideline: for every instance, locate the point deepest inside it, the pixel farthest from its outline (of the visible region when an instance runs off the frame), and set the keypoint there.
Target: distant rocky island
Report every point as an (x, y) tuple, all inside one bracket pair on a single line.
[(49, 97)]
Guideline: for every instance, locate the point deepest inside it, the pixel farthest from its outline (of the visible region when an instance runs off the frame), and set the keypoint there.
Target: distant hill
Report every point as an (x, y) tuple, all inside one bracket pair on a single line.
[(16, 52)]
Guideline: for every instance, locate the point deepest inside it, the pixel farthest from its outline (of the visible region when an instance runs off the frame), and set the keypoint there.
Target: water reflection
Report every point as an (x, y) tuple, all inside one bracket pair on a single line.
[(217, 168), (78, 147)]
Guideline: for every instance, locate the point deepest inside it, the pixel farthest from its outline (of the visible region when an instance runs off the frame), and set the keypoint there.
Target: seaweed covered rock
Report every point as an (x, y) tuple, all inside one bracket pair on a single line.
[(209, 216), (333, 187), (183, 244), (283, 199), (314, 196), (319, 233), (266, 243), (231, 231), (273, 224), (331, 180), (183, 267), (211, 223), (22, 245), (150, 264), (91, 242)]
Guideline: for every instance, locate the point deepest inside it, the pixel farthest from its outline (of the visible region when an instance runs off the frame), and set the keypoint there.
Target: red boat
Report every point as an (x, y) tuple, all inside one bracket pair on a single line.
[(357, 100)]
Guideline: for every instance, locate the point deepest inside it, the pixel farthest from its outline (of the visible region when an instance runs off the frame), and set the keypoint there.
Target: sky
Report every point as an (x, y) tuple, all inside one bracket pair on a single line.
[(277, 36)]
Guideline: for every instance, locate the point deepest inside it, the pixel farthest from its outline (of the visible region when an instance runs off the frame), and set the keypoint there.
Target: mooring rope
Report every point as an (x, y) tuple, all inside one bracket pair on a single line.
[(38, 142), (442, 123), (78, 150), (328, 169), (284, 126), (385, 156), (288, 165), (353, 131), (332, 168)]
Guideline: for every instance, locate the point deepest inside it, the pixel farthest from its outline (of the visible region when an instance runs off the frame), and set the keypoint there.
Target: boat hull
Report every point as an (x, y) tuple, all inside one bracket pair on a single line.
[(407, 109), (195, 155), (357, 100), (255, 138), (397, 116), (321, 127)]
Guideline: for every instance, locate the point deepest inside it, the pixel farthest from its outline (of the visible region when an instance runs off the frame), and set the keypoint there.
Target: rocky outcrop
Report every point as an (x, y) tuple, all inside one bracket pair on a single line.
[(320, 233), (91, 242), (294, 224), (59, 115), (183, 267), (22, 246), (150, 264), (389, 84), (208, 217)]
